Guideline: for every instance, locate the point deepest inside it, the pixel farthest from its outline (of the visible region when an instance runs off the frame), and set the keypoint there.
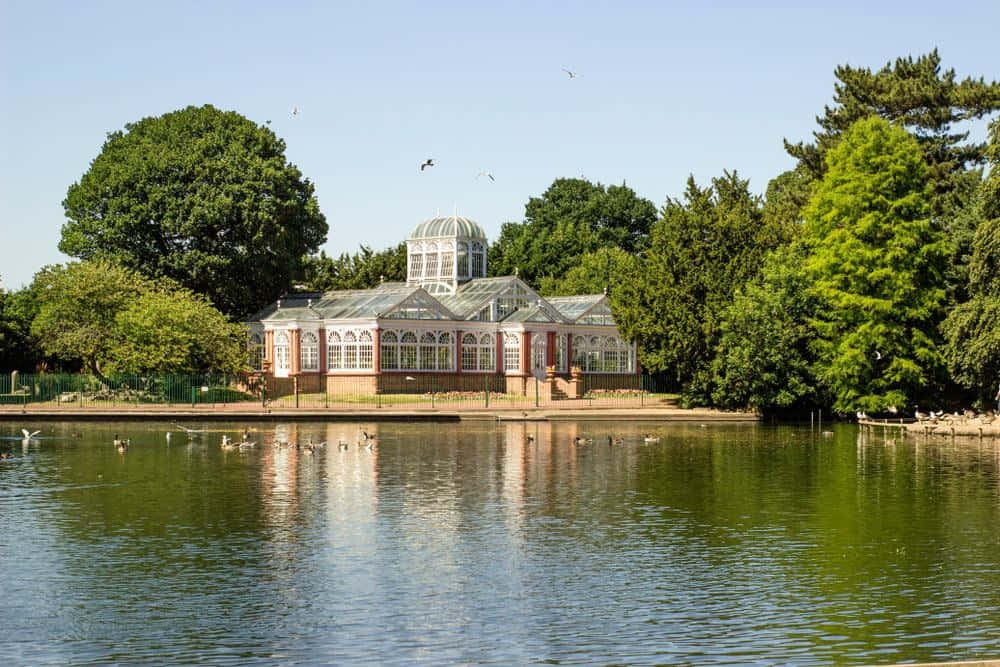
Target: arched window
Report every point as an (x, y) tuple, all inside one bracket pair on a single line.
[(431, 261), (416, 263), (428, 355), (281, 351), (334, 356), (487, 352), (462, 259), (447, 260), (308, 351), (408, 350), (539, 351), (603, 354), (444, 352), (256, 349), (350, 350), (469, 352), (478, 260), (511, 352), (365, 359), (390, 350)]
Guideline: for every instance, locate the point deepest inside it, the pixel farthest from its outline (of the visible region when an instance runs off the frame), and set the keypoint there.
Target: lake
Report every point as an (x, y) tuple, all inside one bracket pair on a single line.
[(471, 542)]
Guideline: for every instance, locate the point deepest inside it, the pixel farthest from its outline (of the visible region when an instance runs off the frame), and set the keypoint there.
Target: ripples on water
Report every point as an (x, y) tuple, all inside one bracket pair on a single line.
[(455, 543)]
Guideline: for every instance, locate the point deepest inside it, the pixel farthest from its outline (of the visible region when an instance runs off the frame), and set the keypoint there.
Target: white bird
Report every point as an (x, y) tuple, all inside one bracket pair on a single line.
[(410, 378), (486, 174), (295, 111), (571, 74), (649, 437), (893, 409), (878, 355), (27, 435), (862, 415)]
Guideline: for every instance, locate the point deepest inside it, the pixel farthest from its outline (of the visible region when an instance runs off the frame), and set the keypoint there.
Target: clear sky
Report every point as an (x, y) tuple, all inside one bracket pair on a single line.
[(667, 89)]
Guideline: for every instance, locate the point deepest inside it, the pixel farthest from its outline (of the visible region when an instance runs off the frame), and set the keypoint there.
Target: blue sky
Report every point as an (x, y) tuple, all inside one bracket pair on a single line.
[(667, 89)]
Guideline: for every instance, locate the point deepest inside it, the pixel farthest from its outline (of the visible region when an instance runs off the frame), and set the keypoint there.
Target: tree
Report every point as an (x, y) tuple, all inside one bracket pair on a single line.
[(877, 267), (595, 272), (763, 360), (705, 247), (362, 270), (112, 319), (176, 331), (916, 95), (972, 329), (18, 350), (200, 196), (570, 219)]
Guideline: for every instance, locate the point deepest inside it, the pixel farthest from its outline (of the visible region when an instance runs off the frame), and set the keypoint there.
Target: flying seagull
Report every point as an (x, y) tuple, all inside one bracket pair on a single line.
[(429, 163), (486, 174), (571, 74), (295, 111)]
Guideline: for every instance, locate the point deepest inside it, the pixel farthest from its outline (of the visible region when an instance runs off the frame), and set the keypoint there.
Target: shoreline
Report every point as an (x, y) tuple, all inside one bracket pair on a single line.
[(239, 413)]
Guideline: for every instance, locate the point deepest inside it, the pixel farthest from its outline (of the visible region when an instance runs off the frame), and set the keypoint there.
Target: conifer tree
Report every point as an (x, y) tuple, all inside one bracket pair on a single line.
[(877, 268)]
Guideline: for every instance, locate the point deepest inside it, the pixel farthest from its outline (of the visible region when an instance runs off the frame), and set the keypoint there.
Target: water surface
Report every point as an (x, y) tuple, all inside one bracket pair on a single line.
[(462, 543)]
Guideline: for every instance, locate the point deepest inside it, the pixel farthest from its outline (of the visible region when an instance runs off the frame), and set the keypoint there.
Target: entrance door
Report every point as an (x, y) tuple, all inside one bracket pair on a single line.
[(538, 353)]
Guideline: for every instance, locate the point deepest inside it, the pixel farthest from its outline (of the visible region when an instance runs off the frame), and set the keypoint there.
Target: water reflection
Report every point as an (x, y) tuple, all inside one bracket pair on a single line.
[(513, 542)]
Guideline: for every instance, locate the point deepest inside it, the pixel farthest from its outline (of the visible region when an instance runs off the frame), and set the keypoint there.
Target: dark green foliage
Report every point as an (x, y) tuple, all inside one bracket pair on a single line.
[(877, 268), (595, 273), (763, 360), (200, 196), (972, 329), (111, 319), (704, 248), (362, 270), (918, 95), (572, 218), (17, 351)]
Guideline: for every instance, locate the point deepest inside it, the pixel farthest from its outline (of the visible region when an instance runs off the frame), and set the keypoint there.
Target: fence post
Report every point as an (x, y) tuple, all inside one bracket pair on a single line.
[(295, 386), (432, 391), (486, 385), (536, 392)]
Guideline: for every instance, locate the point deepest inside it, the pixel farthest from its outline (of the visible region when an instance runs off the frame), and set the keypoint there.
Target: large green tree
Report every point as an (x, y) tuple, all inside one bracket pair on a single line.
[(972, 329), (570, 219), (877, 267), (111, 319), (201, 196), (917, 95), (596, 272), (362, 270), (763, 359), (706, 246)]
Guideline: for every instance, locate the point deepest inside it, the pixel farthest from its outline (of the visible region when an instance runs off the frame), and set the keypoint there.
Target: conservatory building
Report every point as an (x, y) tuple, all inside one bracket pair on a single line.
[(447, 321)]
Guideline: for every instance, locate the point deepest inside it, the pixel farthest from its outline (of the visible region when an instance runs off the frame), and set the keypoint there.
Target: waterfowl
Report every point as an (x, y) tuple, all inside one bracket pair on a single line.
[(582, 441), (27, 435), (118, 442), (531, 438), (121, 446), (5, 455), (649, 437), (343, 445)]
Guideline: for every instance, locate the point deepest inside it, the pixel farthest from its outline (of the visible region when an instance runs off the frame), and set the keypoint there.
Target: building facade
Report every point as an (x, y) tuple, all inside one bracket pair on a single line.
[(447, 320)]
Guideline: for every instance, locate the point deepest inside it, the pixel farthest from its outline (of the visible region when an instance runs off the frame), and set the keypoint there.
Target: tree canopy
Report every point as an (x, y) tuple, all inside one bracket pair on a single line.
[(112, 319), (877, 267), (362, 270), (203, 197), (706, 246), (570, 219), (972, 328), (917, 95)]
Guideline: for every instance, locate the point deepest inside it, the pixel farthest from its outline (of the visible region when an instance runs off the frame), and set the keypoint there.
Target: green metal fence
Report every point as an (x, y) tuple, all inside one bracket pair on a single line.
[(418, 391)]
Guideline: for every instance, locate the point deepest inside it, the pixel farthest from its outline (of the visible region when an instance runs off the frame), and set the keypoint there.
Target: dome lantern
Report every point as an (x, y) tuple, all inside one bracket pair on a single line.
[(443, 252)]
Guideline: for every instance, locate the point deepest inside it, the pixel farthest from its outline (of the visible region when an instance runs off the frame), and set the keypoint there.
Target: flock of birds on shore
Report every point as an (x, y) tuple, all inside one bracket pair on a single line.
[(966, 416)]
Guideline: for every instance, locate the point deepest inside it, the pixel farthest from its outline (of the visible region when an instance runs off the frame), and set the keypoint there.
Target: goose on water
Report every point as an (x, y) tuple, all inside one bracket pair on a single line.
[(649, 437)]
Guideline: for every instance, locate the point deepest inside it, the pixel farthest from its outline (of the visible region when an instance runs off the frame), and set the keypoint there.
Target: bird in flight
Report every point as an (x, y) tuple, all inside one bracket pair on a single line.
[(295, 111), (486, 174), (268, 122), (429, 163), (571, 74)]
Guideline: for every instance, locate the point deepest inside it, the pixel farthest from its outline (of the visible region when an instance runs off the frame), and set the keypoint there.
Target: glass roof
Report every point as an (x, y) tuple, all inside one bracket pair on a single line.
[(572, 307), (340, 305), (451, 226)]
